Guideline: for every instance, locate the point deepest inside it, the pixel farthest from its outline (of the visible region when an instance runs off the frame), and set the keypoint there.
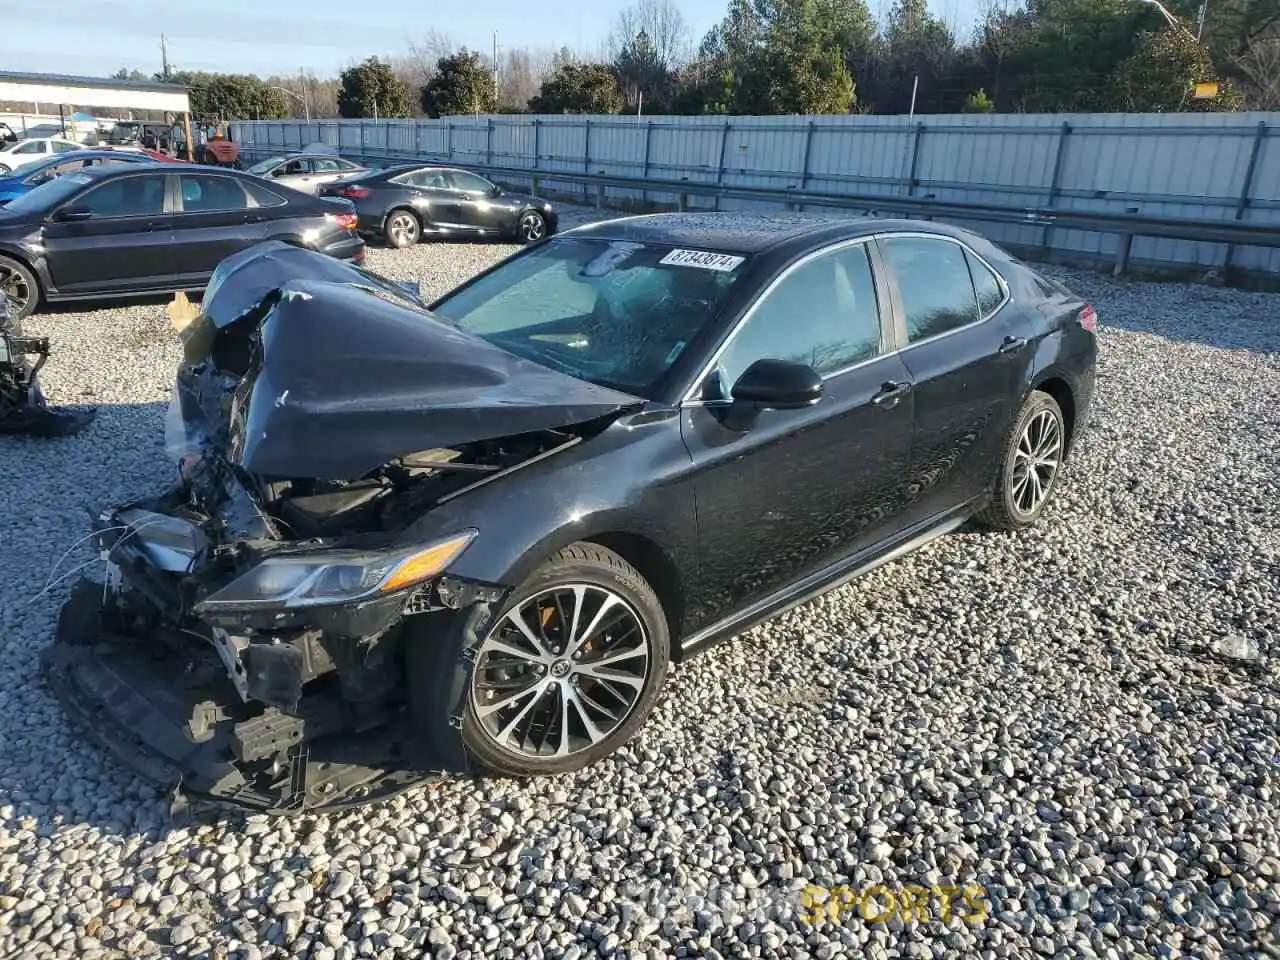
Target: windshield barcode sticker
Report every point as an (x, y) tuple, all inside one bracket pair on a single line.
[(722, 262)]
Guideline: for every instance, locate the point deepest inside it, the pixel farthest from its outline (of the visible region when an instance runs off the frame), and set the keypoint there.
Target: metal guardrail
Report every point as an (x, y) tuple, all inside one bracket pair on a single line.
[(1126, 226)]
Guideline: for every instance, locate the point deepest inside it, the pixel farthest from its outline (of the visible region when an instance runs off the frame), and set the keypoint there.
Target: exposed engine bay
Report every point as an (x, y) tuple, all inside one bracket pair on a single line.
[(243, 639), (23, 408)]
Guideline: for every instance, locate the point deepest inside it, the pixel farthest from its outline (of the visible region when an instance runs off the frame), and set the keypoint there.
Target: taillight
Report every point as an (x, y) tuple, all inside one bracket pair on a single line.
[(1089, 318), (347, 221), (354, 193)]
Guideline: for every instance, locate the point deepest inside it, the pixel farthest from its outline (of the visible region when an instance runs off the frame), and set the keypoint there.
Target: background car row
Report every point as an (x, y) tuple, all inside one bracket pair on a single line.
[(124, 229)]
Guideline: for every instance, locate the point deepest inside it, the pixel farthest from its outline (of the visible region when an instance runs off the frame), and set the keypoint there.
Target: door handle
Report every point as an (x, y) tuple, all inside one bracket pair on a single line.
[(890, 393), (1012, 344)]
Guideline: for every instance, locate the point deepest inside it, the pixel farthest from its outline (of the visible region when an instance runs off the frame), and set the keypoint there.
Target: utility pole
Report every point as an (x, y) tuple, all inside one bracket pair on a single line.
[(1204, 6), (306, 93), (164, 56), (495, 69)]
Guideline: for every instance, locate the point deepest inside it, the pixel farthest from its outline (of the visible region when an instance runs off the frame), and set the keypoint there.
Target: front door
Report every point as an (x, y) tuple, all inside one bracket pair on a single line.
[(214, 219), (964, 369), (799, 490), (479, 209), (122, 244)]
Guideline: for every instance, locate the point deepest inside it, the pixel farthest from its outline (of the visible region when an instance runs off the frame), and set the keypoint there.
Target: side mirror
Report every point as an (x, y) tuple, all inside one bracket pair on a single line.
[(496, 191), (771, 385), (778, 385), (72, 212)]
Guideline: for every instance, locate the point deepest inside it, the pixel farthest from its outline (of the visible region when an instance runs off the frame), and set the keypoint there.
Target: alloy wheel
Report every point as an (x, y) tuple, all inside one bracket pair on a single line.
[(15, 289), (1036, 461), (532, 227), (403, 229), (561, 671)]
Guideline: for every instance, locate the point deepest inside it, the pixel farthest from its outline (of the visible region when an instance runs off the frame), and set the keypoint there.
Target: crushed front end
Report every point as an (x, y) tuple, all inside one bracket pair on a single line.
[(242, 639), (214, 656)]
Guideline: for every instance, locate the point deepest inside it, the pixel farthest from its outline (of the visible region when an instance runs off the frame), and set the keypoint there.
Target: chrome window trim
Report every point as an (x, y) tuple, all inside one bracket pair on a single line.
[(690, 400), (1000, 281)]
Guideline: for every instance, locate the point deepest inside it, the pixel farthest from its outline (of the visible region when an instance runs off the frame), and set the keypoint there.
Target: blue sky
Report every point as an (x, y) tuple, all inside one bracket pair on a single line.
[(97, 37)]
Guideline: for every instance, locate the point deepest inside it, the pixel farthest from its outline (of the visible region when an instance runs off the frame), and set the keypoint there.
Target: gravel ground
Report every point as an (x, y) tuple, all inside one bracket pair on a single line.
[(1047, 716)]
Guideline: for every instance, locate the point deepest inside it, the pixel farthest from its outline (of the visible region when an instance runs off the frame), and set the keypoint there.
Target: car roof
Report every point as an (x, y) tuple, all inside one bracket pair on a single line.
[(749, 233), (125, 155), (407, 167), (100, 172)]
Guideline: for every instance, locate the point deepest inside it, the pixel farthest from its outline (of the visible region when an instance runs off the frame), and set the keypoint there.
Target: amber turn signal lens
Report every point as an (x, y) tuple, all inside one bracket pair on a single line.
[(426, 564)]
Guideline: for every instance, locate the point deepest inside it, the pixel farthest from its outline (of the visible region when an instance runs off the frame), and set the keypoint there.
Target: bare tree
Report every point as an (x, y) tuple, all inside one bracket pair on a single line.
[(659, 20), (419, 64), (520, 75), (1260, 65)]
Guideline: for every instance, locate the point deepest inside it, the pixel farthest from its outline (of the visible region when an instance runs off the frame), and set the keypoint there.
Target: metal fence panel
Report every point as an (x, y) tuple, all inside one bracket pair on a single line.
[(1211, 166)]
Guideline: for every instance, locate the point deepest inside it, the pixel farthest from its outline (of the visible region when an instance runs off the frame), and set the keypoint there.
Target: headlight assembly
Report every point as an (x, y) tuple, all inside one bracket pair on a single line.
[(335, 576)]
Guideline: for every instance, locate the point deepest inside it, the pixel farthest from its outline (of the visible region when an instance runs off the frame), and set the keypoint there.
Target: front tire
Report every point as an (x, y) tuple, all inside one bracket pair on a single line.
[(565, 673), (20, 287), (1031, 466), (402, 229), (531, 227)]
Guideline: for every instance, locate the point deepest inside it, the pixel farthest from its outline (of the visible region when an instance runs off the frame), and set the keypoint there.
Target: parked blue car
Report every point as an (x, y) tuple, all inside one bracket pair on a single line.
[(31, 176)]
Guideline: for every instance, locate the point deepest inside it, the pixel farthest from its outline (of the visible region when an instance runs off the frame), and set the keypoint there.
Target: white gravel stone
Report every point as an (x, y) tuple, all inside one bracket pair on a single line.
[(1043, 715)]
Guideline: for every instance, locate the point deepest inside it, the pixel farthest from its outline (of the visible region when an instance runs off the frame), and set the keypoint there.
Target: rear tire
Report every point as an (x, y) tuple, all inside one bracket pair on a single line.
[(1031, 465), (402, 229), (19, 285), (522, 703)]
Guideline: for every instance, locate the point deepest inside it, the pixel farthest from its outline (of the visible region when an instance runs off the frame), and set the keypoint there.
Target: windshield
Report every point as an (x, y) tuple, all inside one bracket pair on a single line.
[(49, 194), (615, 313), (262, 166)]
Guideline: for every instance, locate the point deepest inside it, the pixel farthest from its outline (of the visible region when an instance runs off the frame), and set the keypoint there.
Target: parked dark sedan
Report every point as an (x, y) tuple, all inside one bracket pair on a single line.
[(139, 228), (474, 536), (405, 203)]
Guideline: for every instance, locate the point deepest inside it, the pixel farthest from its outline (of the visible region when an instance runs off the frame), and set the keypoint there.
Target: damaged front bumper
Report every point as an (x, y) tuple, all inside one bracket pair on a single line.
[(271, 711), (174, 717)]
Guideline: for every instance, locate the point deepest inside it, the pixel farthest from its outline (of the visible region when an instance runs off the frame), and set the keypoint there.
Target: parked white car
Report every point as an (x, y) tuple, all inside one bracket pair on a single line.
[(16, 155), (305, 172)]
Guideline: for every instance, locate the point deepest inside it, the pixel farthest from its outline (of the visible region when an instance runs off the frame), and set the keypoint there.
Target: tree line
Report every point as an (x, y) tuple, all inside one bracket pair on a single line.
[(816, 57)]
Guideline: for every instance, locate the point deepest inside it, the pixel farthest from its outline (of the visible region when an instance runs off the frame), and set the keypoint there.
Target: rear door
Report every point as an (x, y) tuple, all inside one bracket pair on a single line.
[(433, 197), (123, 245), (964, 361), (326, 170), (214, 217)]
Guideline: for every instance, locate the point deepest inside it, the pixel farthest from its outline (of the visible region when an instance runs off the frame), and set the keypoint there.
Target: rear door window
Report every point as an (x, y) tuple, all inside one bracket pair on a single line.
[(987, 285), (934, 285), (205, 193)]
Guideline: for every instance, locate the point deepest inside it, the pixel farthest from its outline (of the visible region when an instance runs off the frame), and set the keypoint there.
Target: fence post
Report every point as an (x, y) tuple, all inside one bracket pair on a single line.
[(448, 138), (1245, 189), (1055, 184), (915, 158), (586, 154), (488, 142), (362, 140), (535, 147), (804, 164), (724, 142), (644, 169)]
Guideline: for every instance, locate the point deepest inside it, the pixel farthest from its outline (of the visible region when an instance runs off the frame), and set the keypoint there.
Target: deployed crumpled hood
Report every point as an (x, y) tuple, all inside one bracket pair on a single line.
[(346, 381), (243, 279)]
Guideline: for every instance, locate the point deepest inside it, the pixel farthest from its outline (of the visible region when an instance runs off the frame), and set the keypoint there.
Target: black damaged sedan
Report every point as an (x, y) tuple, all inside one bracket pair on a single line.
[(474, 536)]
